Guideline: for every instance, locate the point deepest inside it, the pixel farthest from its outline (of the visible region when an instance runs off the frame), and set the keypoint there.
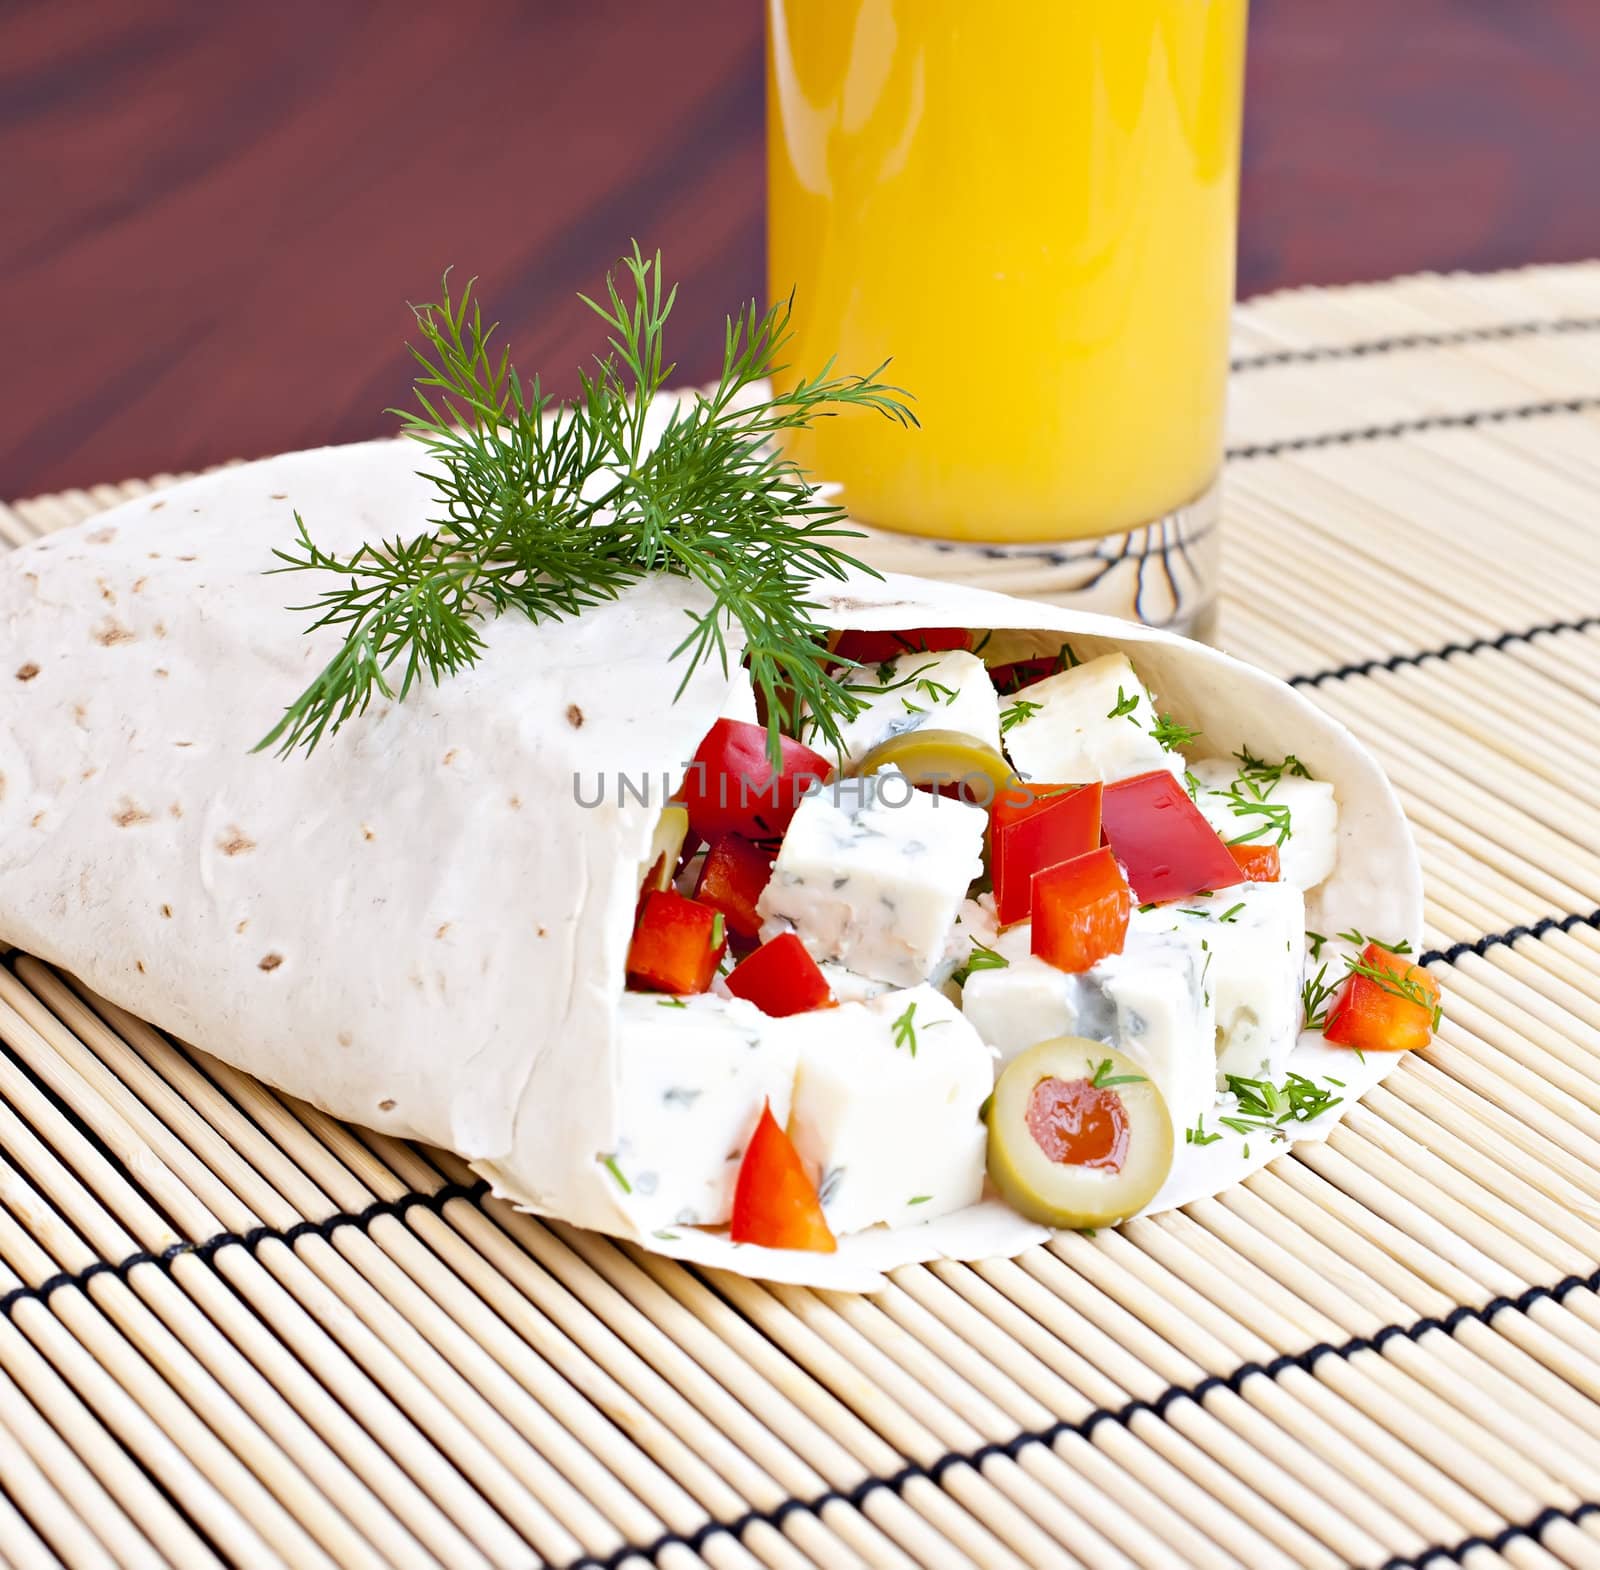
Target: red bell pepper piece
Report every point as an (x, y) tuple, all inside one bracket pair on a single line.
[(1080, 911), (1388, 1005), (873, 648), (781, 978), (775, 1203), (1163, 839), (731, 879), (676, 944), (731, 787), (1062, 821), (1256, 863), (1018, 674)]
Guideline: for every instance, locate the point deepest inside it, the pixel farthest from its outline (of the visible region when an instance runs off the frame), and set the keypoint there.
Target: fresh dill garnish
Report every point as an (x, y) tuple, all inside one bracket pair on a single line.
[(905, 1029), (1297, 1100), (1198, 1135), (550, 511), (1232, 912), (1125, 707), (1259, 769), (1169, 733), (1191, 783), (981, 958), (937, 690), (1332, 1081), (1101, 1077), (1066, 659), (1360, 940), (671, 1003), (1314, 997), (1017, 713), (919, 1199), (1190, 910), (719, 929), (1316, 939), (1151, 905), (610, 1164)]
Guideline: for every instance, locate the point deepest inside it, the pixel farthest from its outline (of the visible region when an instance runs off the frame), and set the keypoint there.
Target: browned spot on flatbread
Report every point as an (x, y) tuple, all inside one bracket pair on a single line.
[(27, 672), (366, 832), (516, 804), (444, 928), (161, 670), (138, 585), (139, 966), (107, 593), (160, 629), (242, 925), (280, 496), (111, 632), (543, 933), (36, 820), (235, 842), (175, 810), (387, 1104), (166, 910), (269, 961), (89, 773), (345, 1038), (190, 558), (450, 757), (102, 536), (157, 506), (575, 716), (128, 814)]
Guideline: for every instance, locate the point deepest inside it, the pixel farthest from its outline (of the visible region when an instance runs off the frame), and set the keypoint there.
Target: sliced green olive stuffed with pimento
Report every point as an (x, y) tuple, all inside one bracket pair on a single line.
[(1078, 1136)]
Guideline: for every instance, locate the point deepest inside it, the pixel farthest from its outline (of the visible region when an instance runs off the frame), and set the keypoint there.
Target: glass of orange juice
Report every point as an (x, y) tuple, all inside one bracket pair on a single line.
[(1030, 207)]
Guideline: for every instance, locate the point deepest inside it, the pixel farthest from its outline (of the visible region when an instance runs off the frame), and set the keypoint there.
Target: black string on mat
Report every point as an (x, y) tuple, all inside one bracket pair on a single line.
[(1400, 343)]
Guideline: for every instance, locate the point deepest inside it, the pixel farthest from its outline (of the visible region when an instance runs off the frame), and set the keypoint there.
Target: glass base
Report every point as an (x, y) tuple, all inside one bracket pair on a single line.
[(1164, 573)]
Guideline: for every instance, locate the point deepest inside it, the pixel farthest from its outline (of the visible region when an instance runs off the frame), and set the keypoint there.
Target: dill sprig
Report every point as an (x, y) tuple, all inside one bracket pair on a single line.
[(550, 510)]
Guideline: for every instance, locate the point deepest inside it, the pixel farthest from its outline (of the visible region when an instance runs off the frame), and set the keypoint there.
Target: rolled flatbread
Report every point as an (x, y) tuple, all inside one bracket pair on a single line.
[(422, 926)]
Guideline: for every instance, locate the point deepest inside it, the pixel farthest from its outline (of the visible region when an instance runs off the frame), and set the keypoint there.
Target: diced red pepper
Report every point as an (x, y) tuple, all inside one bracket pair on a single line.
[(731, 879), (781, 978), (1062, 821), (1080, 911), (775, 1203), (1257, 863), (731, 787), (873, 648), (1393, 1015), (1163, 839), (1018, 674), (676, 944)]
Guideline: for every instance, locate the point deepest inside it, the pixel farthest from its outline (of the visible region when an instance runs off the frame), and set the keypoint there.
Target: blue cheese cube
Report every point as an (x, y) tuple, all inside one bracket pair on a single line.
[(1254, 807), (1256, 934), (1152, 1001), (1093, 722), (886, 1109), (693, 1073), (872, 872), (945, 691)]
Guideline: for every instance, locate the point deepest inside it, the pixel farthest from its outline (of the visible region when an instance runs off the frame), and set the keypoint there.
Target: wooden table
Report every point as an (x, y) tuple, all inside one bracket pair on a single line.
[(212, 214)]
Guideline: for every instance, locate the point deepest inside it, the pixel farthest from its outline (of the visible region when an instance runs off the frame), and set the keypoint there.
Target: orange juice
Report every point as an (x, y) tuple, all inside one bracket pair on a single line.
[(1030, 205)]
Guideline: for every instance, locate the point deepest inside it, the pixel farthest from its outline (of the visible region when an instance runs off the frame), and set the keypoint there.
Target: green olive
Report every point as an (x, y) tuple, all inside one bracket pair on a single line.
[(659, 864), (1078, 1135), (943, 757)]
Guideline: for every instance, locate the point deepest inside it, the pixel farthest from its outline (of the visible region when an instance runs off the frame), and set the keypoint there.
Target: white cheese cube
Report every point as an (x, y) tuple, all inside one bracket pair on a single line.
[(1151, 1001), (946, 691), (886, 1109), (1093, 722), (693, 1073), (871, 873), (1244, 804), (1257, 938), (847, 987), (1165, 1018)]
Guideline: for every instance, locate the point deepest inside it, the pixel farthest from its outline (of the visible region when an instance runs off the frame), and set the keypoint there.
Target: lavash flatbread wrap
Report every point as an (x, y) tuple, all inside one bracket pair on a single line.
[(423, 926)]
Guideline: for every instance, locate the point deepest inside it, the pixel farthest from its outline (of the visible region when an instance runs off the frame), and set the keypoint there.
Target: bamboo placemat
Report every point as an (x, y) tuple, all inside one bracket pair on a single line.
[(237, 1332)]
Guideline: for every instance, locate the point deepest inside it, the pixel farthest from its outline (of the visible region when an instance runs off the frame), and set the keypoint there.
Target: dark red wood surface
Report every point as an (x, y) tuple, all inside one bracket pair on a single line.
[(211, 213)]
